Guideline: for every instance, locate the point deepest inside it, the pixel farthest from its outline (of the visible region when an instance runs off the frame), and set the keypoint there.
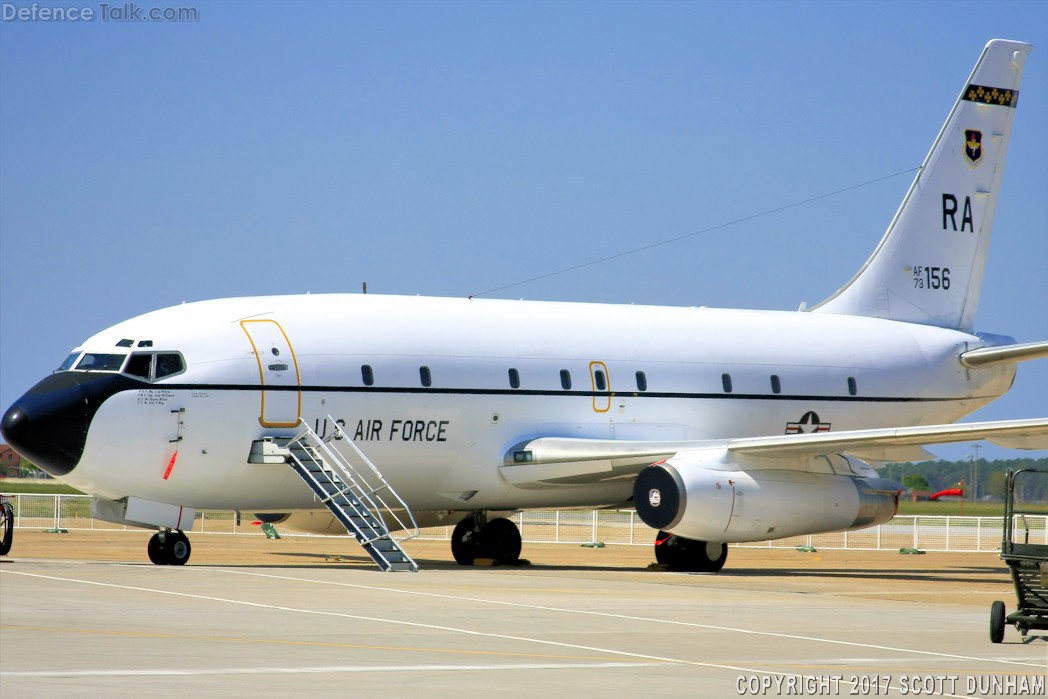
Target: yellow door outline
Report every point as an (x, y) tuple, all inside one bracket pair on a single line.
[(281, 420), (601, 397)]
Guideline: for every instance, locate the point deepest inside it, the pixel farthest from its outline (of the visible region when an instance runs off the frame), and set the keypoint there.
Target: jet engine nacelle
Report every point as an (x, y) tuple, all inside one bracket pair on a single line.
[(699, 496)]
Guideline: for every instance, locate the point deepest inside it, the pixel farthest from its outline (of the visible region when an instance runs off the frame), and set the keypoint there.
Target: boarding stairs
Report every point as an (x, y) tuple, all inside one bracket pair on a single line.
[(358, 496)]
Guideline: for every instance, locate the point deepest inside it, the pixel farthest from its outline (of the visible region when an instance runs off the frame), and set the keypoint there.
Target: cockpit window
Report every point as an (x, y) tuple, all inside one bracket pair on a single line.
[(69, 362), (168, 364), (153, 366), (101, 362), (139, 364)]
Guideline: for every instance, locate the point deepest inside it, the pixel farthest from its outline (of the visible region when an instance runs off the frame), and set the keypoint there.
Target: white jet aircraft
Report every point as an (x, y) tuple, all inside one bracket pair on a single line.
[(715, 424)]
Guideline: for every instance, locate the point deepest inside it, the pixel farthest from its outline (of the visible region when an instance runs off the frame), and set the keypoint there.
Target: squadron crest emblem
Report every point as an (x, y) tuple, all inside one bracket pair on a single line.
[(973, 149)]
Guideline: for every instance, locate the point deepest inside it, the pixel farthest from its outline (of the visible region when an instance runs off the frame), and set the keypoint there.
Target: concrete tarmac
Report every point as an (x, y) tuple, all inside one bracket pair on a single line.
[(85, 614)]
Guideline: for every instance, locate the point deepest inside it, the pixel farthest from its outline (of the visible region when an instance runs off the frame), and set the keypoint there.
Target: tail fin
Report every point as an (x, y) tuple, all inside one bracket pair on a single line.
[(929, 266)]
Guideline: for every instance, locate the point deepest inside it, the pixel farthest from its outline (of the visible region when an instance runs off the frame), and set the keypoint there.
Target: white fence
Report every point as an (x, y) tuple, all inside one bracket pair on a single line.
[(73, 512)]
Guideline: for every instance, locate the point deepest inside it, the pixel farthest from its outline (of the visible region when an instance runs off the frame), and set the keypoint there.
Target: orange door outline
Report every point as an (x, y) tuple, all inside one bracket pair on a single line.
[(601, 396), (277, 409)]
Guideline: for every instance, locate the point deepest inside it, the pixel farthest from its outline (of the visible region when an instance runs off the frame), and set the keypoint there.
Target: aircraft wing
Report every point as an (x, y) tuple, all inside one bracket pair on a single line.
[(547, 461)]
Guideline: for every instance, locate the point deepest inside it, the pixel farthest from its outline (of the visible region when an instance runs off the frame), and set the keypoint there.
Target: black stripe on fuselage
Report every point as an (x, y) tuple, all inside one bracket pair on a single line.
[(545, 392)]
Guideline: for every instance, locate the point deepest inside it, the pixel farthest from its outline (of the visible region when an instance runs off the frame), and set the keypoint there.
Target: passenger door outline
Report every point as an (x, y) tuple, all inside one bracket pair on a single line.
[(601, 396), (280, 407)]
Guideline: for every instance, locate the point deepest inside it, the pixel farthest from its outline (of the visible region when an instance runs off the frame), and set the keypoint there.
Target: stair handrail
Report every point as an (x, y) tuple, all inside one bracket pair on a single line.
[(360, 485), (349, 478), (345, 485)]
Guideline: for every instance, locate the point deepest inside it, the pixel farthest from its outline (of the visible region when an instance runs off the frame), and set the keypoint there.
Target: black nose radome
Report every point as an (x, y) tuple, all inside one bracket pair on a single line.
[(49, 424)]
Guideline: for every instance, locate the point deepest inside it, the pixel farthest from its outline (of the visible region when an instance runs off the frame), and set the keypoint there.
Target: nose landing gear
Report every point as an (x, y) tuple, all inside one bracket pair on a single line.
[(169, 548)]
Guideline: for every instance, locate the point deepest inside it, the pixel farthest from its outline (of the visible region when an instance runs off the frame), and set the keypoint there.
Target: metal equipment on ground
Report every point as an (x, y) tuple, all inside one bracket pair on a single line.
[(1025, 550)]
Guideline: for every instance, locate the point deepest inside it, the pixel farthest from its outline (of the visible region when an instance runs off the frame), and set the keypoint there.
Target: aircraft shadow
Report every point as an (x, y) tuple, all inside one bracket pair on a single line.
[(964, 575)]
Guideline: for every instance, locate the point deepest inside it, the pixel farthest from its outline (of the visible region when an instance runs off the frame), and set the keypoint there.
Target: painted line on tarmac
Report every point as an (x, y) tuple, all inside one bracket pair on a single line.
[(359, 617), (334, 669), (628, 617)]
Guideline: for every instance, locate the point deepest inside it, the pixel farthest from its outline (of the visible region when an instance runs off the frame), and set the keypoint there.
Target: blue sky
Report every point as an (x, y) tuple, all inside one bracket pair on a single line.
[(445, 148)]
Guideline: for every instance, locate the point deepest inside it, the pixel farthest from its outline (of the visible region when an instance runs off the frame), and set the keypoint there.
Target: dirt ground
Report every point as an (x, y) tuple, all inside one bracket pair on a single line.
[(968, 579)]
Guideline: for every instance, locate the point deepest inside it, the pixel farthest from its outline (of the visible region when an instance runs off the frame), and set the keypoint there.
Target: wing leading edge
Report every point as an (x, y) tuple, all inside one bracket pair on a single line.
[(556, 461)]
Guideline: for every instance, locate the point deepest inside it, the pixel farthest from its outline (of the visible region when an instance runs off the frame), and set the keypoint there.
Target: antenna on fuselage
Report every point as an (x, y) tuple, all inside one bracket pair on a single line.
[(365, 287)]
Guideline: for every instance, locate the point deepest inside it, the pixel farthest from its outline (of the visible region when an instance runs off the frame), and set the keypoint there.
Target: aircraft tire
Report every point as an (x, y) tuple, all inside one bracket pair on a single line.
[(500, 540), (7, 520), (465, 542), (997, 621), (689, 555), (156, 550), (178, 549)]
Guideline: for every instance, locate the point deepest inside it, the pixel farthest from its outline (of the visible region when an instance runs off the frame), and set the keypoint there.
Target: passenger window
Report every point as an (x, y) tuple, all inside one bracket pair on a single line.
[(726, 382), (423, 373), (514, 378), (642, 381), (565, 379), (367, 375), (776, 386), (599, 381), (853, 388), (168, 365), (139, 364)]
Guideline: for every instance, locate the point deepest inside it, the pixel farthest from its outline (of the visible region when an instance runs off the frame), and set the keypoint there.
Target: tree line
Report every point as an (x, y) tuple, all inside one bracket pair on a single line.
[(982, 479)]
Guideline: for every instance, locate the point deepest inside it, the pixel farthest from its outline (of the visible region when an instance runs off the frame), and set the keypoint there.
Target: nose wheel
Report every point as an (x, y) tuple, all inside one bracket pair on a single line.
[(169, 548)]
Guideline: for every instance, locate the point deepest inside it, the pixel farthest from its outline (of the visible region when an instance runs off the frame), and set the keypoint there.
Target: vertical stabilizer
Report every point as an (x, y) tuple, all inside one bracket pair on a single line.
[(929, 266)]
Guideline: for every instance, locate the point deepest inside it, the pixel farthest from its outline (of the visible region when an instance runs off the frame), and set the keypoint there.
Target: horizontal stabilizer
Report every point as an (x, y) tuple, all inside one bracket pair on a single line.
[(1009, 354)]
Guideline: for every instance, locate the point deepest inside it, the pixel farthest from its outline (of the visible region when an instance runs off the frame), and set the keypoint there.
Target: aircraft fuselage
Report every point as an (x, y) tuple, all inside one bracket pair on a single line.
[(499, 372)]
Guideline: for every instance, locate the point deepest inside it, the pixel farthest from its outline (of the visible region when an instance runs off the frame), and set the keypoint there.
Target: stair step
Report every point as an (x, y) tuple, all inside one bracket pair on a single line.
[(321, 469)]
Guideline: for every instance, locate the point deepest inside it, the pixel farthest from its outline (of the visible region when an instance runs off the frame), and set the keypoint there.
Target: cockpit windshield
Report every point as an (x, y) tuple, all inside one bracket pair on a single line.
[(69, 362), (101, 362), (150, 366)]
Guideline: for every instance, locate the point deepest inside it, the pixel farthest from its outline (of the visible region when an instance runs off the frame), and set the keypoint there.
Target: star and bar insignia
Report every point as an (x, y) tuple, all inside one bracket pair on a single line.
[(808, 424)]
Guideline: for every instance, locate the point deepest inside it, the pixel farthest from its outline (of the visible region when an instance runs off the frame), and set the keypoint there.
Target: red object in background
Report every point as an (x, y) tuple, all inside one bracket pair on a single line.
[(949, 492)]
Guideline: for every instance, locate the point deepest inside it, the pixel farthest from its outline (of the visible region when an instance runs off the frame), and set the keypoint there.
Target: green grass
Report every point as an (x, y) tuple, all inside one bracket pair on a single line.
[(952, 509), (43, 487)]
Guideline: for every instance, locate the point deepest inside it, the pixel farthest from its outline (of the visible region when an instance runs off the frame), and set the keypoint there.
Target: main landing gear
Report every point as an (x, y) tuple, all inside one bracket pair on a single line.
[(7, 527), (169, 548), (689, 555), (475, 537)]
